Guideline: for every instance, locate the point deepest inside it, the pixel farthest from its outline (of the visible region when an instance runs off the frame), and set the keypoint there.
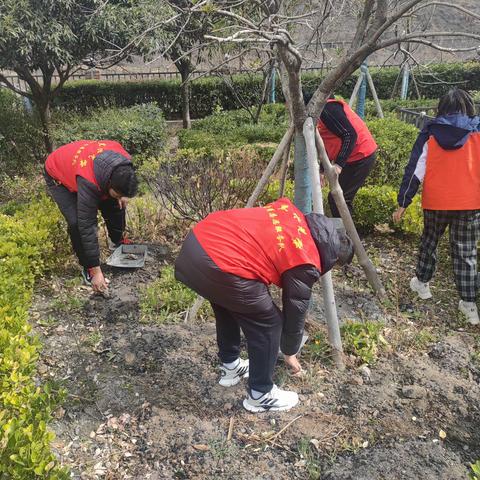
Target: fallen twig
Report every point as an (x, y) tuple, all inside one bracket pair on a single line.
[(276, 435), (230, 428)]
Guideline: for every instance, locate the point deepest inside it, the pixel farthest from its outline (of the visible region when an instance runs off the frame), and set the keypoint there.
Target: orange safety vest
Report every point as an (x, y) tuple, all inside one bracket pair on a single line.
[(365, 145), (76, 159), (258, 243), (452, 177)]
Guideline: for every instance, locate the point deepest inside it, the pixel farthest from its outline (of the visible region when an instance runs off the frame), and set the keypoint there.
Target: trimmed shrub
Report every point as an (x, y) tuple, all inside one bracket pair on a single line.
[(21, 142), (207, 94), (234, 128), (375, 205), (211, 93), (141, 129), (395, 140), (25, 408)]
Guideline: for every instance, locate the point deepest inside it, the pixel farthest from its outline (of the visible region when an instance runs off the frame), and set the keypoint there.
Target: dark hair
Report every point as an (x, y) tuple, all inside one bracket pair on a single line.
[(307, 96), (456, 101), (124, 180), (345, 252)]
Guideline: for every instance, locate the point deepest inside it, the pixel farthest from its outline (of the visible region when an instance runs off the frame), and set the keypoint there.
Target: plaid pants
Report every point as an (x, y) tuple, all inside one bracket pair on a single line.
[(464, 234)]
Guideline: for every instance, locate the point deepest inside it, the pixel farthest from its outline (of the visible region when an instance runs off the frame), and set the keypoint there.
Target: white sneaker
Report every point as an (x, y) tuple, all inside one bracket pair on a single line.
[(422, 289), (469, 309), (231, 376), (276, 400)]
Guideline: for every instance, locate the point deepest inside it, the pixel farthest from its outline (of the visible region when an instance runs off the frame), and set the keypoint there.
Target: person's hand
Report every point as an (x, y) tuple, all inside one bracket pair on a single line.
[(293, 364), (99, 282), (398, 214), (123, 202)]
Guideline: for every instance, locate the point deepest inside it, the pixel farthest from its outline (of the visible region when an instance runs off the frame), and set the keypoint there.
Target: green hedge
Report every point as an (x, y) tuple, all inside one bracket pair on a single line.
[(211, 93), (207, 94), (26, 243), (395, 141), (141, 129), (231, 129), (234, 128)]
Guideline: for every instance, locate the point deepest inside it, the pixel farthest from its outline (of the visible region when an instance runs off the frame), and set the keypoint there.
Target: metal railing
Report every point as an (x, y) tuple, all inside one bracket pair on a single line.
[(111, 76), (418, 116)]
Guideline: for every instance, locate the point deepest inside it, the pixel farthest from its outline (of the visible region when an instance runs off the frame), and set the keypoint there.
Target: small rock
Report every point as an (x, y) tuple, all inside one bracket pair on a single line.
[(59, 413), (356, 380), (413, 391), (227, 407), (365, 372), (129, 358)]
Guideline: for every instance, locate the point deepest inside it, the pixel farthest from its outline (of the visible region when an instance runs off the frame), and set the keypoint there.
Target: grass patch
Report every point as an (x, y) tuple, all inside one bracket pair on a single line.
[(363, 340), (310, 459), (166, 300)]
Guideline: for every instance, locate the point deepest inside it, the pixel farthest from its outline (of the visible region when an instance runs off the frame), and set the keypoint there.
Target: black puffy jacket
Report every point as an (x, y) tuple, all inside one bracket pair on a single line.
[(198, 271), (88, 199)]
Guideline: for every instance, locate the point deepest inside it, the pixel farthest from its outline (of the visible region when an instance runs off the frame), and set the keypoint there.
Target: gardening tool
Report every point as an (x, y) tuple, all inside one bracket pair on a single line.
[(128, 255)]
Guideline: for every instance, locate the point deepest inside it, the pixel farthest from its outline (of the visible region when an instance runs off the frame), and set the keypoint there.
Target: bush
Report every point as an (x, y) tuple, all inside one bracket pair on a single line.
[(364, 340), (235, 128), (25, 408), (21, 142), (207, 94), (198, 182), (395, 141), (167, 300), (141, 129), (375, 205), (210, 93)]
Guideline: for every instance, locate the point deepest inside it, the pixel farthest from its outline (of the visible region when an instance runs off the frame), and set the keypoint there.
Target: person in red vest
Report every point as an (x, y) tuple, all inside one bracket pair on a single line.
[(446, 157), (230, 258), (83, 177), (350, 147)]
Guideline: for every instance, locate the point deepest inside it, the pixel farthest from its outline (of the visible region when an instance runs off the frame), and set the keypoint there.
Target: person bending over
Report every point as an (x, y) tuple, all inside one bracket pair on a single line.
[(83, 177), (230, 258)]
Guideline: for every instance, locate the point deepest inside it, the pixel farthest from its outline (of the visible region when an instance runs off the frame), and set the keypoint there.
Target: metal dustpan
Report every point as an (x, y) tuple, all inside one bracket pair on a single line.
[(128, 256)]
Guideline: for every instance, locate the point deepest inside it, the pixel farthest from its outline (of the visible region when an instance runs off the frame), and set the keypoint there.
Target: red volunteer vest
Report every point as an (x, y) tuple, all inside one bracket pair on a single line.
[(76, 158), (258, 243), (452, 177), (365, 144)]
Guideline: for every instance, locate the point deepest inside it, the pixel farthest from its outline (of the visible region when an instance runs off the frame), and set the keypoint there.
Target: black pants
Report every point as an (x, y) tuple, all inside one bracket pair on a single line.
[(262, 331), (351, 179), (67, 203), (238, 304)]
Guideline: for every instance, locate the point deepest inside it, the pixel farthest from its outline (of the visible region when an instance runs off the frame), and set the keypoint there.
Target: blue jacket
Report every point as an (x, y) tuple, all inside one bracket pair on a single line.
[(451, 132)]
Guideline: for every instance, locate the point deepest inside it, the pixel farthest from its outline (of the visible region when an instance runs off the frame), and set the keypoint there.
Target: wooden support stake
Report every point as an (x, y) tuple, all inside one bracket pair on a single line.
[(356, 89), (326, 279), (277, 156), (375, 96), (284, 170), (337, 194)]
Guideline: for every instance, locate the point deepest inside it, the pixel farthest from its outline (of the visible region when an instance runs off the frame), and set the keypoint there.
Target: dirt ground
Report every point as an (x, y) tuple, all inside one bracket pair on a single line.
[(143, 400)]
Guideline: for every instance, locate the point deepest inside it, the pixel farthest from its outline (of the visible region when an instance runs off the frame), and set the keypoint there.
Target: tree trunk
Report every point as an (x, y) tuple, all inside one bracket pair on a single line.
[(185, 71), (43, 106)]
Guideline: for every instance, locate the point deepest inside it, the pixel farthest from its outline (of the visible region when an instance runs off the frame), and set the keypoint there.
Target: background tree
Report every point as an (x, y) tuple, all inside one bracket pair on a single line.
[(183, 45), (54, 38)]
